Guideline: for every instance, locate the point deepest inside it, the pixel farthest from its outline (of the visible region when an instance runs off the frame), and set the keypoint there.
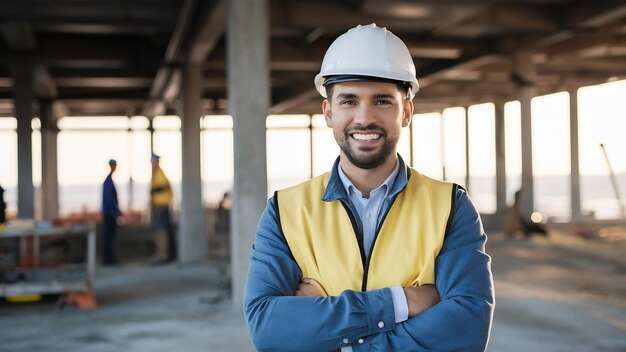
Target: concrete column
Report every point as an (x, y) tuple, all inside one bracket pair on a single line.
[(49, 171), (311, 146), (467, 151), (575, 169), (192, 234), (442, 139), (411, 145), (23, 100), (525, 95), (151, 130), (524, 73), (500, 159), (148, 157), (248, 103), (131, 181)]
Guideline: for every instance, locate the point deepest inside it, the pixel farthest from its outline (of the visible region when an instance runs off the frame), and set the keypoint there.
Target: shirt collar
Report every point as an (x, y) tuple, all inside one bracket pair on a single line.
[(337, 189), (349, 186)]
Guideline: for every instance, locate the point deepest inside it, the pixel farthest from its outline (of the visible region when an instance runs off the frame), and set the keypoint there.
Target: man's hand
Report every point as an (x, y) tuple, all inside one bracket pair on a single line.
[(310, 287), (420, 298)]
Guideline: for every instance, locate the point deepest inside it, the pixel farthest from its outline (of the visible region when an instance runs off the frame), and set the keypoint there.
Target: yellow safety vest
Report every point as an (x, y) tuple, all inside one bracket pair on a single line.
[(323, 241), (163, 196)]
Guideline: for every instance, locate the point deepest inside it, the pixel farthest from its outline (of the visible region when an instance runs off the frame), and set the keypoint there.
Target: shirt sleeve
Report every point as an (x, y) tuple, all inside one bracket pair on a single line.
[(279, 321), (400, 305), (461, 321)]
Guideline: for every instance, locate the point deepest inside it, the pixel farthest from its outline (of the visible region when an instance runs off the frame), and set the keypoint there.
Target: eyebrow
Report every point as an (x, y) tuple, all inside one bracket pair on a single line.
[(346, 96), (354, 96), (384, 95)]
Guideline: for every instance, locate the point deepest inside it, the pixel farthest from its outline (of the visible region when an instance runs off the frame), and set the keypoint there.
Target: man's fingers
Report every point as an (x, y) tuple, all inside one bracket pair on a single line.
[(302, 289)]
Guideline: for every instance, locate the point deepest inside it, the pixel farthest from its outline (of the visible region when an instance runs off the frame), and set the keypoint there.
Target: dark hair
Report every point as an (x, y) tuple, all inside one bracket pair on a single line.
[(403, 87)]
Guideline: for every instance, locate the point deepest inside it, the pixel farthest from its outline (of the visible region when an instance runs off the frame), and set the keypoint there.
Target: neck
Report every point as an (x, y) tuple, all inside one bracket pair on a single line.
[(366, 180)]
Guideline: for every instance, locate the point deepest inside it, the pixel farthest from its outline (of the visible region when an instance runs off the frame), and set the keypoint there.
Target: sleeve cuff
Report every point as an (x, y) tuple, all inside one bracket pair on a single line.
[(400, 305), (380, 312)]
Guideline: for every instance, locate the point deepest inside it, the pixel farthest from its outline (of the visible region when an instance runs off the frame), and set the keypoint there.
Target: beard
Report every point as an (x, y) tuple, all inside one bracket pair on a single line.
[(368, 161)]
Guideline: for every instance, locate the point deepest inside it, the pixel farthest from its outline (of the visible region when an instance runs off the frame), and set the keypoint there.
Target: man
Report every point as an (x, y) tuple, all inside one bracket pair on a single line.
[(2, 207), (160, 198), (516, 221), (222, 224), (372, 256), (110, 213)]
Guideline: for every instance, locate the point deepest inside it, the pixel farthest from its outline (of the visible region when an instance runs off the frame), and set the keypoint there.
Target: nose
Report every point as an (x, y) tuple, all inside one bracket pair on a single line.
[(365, 115)]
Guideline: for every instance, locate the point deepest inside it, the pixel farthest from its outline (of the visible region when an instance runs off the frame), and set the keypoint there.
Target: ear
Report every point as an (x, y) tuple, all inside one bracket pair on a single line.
[(328, 113), (407, 112)]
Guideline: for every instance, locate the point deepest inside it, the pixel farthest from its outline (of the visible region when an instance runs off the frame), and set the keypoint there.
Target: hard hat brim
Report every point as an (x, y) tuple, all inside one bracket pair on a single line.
[(321, 82), (357, 78)]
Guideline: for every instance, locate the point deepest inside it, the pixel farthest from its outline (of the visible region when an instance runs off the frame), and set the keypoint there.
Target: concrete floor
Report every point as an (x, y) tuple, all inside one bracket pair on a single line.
[(562, 293)]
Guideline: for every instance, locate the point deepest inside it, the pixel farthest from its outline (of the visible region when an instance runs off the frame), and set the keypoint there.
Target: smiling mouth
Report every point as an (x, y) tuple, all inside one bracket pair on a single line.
[(365, 136)]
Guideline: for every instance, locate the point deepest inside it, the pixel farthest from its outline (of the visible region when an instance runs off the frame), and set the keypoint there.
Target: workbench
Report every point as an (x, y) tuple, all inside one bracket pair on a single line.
[(22, 247)]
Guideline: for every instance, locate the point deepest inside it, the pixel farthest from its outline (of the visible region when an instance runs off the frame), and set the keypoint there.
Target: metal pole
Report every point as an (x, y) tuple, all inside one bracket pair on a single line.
[(130, 165), (613, 181)]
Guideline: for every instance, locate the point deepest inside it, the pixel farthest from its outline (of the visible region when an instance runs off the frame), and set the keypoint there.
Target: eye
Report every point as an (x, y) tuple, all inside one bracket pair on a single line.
[(383, 102), (347, 102)]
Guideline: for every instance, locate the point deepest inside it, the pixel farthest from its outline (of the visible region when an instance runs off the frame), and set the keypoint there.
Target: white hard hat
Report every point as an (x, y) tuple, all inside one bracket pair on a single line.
[(367, 53)]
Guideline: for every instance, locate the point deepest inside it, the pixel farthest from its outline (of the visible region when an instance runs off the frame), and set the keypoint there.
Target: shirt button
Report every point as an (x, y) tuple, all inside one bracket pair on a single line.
[(367, 215), (381, 324), (360, 341), (345, 341)]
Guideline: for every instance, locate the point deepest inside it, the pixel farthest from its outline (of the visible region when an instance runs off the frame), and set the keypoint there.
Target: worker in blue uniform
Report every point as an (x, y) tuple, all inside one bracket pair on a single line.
[(110, 213), (373, 255), (2, 207)]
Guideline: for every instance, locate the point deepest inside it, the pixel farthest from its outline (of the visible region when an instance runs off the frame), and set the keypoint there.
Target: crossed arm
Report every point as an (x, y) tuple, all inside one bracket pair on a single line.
[(419, 298), (280, 321)]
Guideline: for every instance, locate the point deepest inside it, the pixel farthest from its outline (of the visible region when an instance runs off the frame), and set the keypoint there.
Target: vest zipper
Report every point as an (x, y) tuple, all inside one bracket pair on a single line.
[(357, 233), (365, 260), (369, 257)]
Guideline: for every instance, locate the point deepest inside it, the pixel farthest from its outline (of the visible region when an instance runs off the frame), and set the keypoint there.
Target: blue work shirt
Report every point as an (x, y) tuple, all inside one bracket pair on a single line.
[(110, 206), (279, 321)]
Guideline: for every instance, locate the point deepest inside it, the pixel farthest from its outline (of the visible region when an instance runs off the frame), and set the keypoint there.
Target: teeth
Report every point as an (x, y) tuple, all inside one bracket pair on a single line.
[(365, 137)]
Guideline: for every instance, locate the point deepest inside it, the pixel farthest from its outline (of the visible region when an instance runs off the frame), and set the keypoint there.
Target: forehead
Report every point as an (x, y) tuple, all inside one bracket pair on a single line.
[(364, 88)]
